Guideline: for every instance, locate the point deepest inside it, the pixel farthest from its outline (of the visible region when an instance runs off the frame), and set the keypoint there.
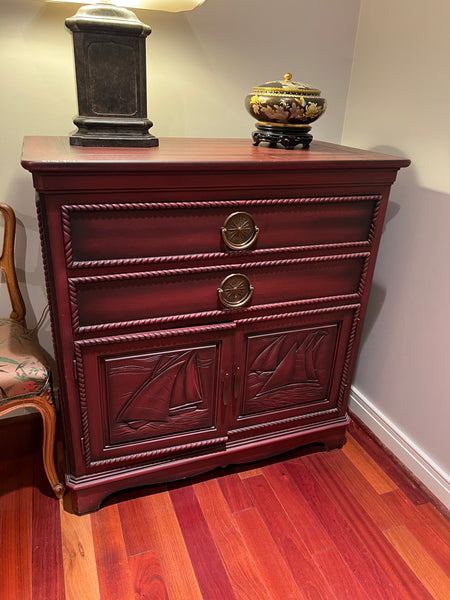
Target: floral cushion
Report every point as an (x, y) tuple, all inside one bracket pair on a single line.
[(22, 372)]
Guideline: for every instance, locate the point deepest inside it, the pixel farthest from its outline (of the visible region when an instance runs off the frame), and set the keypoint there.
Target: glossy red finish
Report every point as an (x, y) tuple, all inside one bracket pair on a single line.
[(159, 380)]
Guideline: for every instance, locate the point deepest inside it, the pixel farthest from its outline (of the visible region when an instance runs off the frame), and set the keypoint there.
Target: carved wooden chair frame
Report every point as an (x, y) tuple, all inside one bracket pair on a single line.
[(43, 401)]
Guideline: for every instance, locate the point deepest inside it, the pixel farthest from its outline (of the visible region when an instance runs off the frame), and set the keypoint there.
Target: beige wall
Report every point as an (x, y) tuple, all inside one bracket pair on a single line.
[(398, 87), (200, 66)]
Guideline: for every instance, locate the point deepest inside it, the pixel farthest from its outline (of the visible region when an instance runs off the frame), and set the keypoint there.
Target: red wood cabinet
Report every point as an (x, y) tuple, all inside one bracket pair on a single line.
[(207, 299)]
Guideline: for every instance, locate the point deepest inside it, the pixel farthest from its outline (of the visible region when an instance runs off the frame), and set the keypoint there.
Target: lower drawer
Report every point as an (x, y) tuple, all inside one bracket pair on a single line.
[(135, 299)]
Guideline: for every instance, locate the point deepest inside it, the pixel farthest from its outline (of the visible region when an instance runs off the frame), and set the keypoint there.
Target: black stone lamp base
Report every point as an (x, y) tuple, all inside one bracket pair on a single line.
[(114, 132), (110, 66), (288, 137)]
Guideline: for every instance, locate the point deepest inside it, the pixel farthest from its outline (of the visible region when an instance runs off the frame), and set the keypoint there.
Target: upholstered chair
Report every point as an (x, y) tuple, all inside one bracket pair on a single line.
[(25, 381)]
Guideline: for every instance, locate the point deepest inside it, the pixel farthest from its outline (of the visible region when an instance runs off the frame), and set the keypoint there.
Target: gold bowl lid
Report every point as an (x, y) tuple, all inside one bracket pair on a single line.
[(287, 86)]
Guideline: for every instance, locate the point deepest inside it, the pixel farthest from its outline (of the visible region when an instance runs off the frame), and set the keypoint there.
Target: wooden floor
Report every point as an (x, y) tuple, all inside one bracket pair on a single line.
[(340, 525)]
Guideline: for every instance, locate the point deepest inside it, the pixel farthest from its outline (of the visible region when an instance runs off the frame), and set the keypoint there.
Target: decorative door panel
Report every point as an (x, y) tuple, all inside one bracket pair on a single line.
[(295, 366), (146, 392), (285, 369), (160, 393)]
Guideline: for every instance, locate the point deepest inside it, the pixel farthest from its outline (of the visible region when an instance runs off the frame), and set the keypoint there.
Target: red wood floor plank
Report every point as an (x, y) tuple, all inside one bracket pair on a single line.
[(275, 574), (146, 575), (354, 482), (47, 553), (439, 523), (80, 569), (379, 455), (418, 526), (339, 576), (234, 492), (114, 577), (432, 576), (208, 566), (353, 550), (371, 470), (15, 528), (176, 565), (245, 578), (301, 514), (308, 577), (403, 579), (136, 525)]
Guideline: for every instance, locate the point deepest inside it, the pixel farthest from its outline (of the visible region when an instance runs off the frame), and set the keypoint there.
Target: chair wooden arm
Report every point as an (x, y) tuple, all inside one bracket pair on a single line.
[(7, 263)]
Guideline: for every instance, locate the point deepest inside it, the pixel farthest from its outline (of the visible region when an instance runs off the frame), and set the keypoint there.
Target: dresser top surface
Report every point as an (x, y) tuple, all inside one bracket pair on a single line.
[(42, 153)]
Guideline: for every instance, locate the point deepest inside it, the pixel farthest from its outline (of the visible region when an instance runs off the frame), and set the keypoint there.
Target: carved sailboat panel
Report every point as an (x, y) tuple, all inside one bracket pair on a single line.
[(283, 374), (171, 388), (186, 391), (297, 366), (288, 369), (268, 359), (312, 344)]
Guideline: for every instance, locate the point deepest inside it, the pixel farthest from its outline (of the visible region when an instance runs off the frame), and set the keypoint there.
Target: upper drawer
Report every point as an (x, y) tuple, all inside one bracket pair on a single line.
[(98, 235), (163, 297)]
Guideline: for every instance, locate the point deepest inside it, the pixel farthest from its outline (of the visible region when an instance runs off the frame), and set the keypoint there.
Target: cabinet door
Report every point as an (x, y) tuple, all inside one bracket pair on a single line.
[(294, 369), (152, 395)]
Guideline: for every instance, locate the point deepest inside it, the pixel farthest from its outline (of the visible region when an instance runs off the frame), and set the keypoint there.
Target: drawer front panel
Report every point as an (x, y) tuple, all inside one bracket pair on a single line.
[(114, 234), (134, 299)]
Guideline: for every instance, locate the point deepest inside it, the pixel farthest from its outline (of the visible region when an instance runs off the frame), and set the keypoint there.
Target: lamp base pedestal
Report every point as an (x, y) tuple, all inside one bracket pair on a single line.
[(109, 49), (113, 142), (113, 132)]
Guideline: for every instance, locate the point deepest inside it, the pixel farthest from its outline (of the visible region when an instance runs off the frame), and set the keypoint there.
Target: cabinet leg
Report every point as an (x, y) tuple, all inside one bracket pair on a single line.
[(83, 502), (335, 441)]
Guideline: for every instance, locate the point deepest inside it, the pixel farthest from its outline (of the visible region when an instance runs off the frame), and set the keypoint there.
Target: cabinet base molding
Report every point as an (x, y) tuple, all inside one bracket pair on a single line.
[(88, 492)]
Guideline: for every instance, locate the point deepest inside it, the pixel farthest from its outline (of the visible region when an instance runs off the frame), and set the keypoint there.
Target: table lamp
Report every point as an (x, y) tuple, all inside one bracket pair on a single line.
[(110, 67)]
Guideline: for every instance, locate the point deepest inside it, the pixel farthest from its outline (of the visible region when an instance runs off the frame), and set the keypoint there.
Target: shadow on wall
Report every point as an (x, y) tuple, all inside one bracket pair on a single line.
[(378, 292)]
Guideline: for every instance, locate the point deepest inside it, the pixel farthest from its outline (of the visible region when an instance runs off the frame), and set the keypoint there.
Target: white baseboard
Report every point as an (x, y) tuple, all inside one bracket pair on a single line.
[(407, 452)]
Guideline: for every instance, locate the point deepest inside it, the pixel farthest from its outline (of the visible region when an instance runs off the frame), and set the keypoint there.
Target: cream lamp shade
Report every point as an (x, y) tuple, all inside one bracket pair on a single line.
[(165, 5), (110, 67)]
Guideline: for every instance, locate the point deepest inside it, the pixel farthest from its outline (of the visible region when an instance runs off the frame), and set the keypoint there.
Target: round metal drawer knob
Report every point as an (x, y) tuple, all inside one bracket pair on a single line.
[(239, 231), (235, 291)]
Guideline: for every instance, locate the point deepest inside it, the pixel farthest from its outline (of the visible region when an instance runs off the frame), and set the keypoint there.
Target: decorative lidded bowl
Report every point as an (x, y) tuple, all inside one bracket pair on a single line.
[(284, 110)]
